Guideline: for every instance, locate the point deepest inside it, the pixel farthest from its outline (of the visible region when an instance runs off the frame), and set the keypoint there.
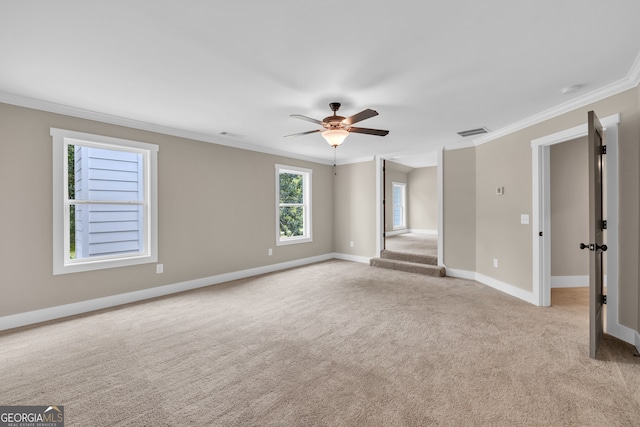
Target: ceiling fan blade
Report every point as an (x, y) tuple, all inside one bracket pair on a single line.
[(362, 115), (378, 132), (303, 133), (309, 119)]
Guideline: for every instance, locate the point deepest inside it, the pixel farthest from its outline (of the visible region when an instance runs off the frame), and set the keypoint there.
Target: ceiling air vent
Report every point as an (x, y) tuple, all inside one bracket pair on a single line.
[(231, 134), (472, 132)]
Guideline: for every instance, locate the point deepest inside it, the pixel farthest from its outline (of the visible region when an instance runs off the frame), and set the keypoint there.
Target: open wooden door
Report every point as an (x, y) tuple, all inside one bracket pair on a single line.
[(596, 244)]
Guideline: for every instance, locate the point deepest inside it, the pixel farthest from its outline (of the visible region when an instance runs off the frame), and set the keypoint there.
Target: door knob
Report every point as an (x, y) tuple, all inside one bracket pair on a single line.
[(593, 247)]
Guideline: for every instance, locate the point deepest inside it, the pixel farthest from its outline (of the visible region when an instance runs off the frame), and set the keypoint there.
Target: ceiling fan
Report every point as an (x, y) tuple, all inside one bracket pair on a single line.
[(336, 128)]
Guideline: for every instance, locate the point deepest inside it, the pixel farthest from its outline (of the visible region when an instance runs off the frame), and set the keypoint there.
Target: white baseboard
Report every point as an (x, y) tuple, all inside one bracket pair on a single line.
[(508, 288), (58, 312), (572, 281), (569, 281), (396, 232), (460, 274), (354, 258), (419, 231), (410, 230), (494, 283), (623, 333)]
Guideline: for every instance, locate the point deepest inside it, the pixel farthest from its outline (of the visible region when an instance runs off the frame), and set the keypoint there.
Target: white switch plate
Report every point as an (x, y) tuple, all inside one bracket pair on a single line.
[(159, 268), (524, 219), (495, 262), (270, 251), (351, 243)]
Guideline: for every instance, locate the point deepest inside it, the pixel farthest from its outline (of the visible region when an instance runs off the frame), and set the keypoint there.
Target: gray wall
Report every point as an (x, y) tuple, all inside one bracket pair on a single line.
[(216, 213)]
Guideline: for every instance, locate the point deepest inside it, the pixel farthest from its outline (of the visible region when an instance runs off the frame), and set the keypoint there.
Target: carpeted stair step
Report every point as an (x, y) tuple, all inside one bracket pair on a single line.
[(405, 256), (411, 267)]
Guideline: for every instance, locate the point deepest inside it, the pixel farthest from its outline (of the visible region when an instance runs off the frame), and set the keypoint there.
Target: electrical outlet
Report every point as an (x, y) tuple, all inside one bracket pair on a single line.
[(524, 219), (159, 268), (270, 251), (495, 263), (351, 243)]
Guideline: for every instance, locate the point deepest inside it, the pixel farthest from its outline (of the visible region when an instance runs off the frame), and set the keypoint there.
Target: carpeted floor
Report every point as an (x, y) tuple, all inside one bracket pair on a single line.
[(421, 244), (330, 344)]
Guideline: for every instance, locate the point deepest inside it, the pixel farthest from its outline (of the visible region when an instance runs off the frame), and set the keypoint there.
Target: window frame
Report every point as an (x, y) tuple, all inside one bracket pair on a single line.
[(403, 205), (306, 204), (62, 264)]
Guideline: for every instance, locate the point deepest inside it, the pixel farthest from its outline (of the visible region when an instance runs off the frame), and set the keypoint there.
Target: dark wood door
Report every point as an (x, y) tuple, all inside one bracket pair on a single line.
[(596, 244)]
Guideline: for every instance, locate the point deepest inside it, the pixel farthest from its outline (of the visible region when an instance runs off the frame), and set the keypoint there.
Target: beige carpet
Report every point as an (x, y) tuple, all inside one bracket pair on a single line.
[(331, 344), (422, 244)]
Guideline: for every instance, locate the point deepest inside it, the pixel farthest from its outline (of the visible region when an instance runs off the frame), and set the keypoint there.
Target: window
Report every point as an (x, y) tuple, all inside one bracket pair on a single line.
[(105, 204), (293, 205), (399, 205)]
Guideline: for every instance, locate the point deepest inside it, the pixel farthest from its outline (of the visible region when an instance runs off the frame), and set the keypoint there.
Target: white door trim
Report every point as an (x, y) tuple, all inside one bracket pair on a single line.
[(541, 221), (440, 170)]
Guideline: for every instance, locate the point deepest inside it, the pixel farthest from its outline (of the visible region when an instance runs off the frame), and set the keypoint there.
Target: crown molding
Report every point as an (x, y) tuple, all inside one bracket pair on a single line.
[(80, 113), (634, 72), (631, 80), (590, 98)]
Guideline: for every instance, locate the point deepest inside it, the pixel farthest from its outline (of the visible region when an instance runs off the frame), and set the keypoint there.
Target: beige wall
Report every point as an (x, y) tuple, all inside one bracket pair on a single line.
[(459, 200), (216, 213), (423, 198), (569, 202), (355, 209), (506, 162)]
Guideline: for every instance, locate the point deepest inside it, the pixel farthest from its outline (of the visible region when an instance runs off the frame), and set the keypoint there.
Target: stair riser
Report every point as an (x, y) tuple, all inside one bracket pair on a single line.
[(401, 256), (408, 267)]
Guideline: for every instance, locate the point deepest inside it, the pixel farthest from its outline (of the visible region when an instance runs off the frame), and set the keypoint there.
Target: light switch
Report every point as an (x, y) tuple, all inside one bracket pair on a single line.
[(524, 219)]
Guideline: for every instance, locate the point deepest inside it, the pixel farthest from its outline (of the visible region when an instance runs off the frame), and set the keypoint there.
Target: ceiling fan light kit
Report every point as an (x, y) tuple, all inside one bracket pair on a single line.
[(335, 129), (335, 137)]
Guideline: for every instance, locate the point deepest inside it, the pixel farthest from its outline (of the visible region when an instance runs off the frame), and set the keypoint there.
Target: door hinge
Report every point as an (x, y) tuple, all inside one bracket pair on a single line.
[(604, 299), (603, 149), (604, 224)]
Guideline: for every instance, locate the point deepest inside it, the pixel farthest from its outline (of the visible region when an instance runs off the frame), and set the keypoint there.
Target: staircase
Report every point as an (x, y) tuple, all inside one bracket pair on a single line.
[(412, 263)]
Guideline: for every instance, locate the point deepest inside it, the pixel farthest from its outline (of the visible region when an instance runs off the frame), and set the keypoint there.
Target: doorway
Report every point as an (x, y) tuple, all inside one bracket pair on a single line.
[(541, 219), (409, 216), (569, 203)]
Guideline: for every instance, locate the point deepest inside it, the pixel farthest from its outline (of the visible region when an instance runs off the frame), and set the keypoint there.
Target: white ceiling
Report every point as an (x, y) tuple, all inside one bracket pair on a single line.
[(429, 68)]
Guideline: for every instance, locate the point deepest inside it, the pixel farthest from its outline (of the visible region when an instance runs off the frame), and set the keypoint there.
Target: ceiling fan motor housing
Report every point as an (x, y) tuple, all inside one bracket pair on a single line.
[(335, 121)]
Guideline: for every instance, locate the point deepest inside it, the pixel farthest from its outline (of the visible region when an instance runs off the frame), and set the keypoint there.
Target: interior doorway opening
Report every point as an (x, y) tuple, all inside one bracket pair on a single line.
[(541, 224), (569, 222), (409, 201)]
